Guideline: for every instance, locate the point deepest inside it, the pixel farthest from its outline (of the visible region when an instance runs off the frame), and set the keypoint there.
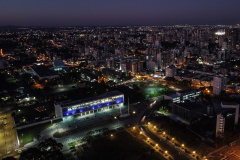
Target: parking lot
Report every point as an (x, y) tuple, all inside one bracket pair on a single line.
[(227, 153), (73, 128)]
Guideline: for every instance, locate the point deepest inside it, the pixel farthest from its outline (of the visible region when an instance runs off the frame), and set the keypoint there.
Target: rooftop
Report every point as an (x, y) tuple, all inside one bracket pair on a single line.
[(102, 96), (43, 71)]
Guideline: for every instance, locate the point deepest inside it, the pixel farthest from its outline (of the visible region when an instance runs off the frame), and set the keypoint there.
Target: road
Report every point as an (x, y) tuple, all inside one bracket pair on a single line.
[(175, 152), (8, 138)]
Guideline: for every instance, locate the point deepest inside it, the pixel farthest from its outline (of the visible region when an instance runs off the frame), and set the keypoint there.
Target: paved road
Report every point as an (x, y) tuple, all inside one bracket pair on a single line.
[(162, 142)]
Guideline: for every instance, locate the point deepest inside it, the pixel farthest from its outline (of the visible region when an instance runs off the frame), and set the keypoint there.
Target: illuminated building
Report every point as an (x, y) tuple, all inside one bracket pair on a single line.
[(220, 124), (90, 105), (182, 96)]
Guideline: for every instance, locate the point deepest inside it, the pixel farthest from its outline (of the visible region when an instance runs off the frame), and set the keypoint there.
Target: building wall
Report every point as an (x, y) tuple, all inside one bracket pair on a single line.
[(58, 110), (220, 124), (219, 84), (182, 112), (90, 107)]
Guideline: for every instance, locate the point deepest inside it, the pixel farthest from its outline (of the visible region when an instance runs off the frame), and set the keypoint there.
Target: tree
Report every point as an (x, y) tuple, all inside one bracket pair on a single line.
[(48, 149), (31, 153), (13, 114), (51, 149)]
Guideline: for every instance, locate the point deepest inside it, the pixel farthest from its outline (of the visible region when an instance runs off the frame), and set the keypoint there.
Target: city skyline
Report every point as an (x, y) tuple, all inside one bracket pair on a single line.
[(118, 13), (110, 79)]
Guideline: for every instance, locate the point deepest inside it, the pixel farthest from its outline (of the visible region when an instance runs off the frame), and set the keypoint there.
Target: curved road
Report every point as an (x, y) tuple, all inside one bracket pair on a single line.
[(175, 152)]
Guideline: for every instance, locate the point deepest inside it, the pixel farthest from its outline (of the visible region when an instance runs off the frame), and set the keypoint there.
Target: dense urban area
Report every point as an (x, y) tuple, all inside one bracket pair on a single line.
[(134, 92)]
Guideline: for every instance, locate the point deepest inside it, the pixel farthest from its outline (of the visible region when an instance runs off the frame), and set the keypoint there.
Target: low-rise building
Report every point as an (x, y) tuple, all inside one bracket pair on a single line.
[(182, 96), (188, 110), (90, 105)]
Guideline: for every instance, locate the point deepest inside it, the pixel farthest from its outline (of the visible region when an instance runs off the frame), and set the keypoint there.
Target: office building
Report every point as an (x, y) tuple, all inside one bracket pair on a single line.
[(90, 105), (219, 84)]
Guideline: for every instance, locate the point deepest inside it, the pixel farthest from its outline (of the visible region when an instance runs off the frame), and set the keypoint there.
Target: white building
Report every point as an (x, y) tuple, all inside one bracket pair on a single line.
[(90, 105), (220, 124), (182, 96)]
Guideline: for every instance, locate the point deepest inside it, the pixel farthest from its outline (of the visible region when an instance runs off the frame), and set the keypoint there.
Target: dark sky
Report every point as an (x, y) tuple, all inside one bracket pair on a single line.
[(118, 12)]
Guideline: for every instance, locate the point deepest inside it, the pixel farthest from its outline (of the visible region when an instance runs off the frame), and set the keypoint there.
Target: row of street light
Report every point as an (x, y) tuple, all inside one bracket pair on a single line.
[(164, 134), (166, 152)]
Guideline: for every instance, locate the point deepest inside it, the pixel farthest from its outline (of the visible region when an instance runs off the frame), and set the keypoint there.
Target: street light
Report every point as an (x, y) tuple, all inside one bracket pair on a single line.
[(182, 145), (148, 138), (140, 132), (193, 152), (133, 127), (156, 145), (115, 117), (155, 127), (166, 152), (172, 139), (149, 123), (134, 112), (111, 135)]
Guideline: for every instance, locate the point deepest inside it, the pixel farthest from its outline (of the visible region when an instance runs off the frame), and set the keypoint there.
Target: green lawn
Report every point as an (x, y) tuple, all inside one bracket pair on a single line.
[(151, 89), (80, 141), (27, 135), (72, 144), (56, 135), (11, 80)]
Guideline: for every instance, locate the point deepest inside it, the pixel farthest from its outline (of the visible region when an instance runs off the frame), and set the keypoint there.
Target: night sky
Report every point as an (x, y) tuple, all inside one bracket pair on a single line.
[(118, 12)]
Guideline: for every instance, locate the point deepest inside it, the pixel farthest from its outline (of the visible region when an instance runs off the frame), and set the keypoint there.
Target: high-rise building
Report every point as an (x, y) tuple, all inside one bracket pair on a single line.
[(170, 71), (219, 84), (220, 125)]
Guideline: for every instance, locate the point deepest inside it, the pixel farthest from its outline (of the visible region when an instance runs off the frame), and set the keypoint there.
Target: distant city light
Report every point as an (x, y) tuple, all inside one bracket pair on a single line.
[(219, 33)]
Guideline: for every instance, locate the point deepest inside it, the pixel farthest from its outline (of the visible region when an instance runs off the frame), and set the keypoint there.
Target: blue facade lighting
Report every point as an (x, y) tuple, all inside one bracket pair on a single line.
[(87, 106)]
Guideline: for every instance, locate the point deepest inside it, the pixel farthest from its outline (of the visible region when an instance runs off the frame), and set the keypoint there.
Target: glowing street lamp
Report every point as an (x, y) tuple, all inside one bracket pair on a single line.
[(155, 127), (133, 127), (194, 152), (156, 145), (148, 138), (115, 117), (134, 112), (182, 145), (140, 132), (111, 135), (172, 139), (149, 123), (166, 152)]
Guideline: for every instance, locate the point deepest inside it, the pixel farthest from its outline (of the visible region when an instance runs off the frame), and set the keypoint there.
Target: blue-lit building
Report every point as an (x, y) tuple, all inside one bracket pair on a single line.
[(90, 105)]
